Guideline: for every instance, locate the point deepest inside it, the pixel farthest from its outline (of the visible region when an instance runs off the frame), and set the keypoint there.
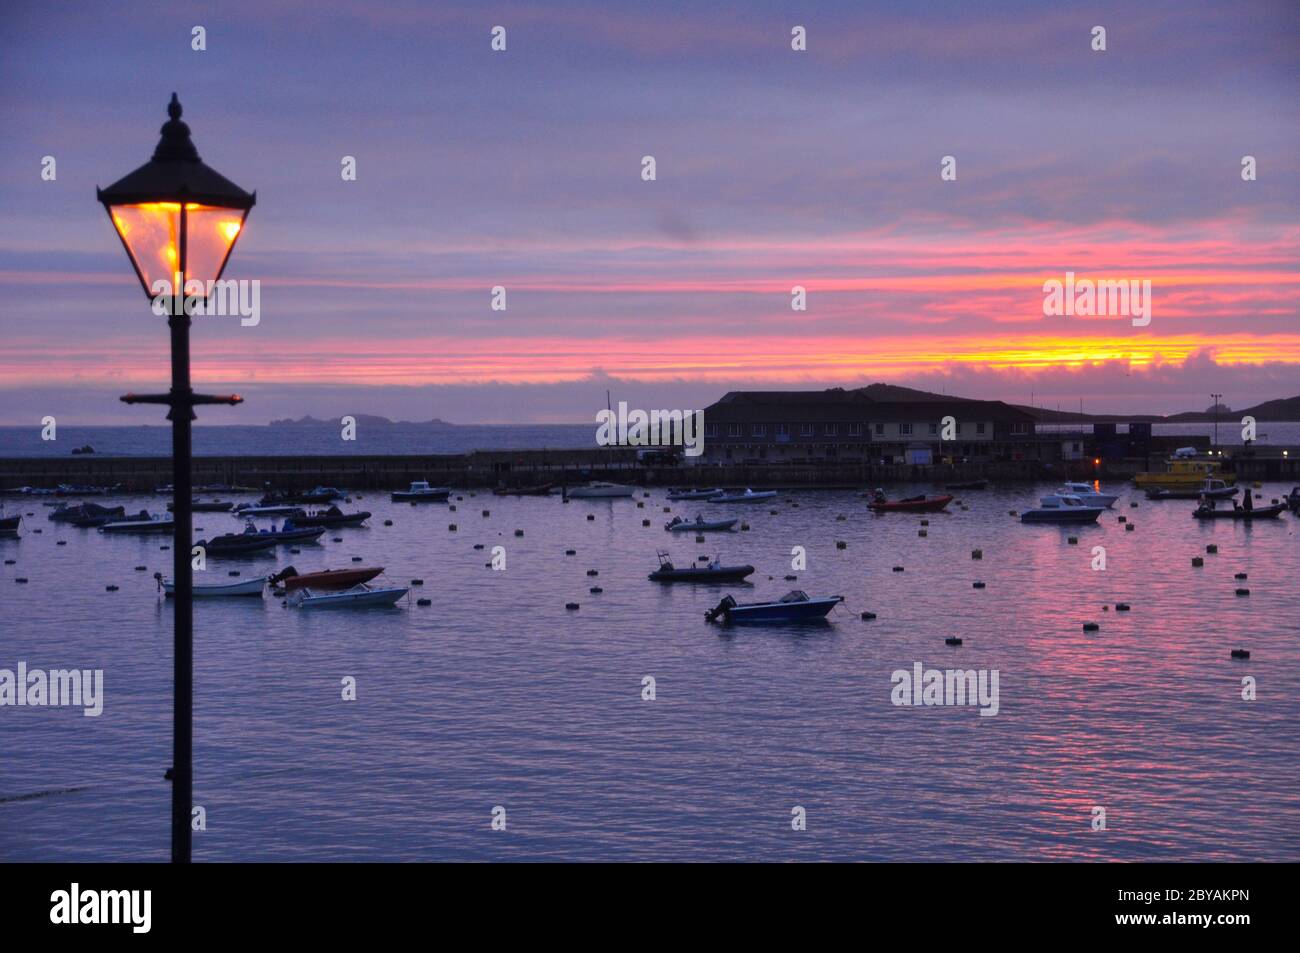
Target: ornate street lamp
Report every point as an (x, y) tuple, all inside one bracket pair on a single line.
[(178, 221)]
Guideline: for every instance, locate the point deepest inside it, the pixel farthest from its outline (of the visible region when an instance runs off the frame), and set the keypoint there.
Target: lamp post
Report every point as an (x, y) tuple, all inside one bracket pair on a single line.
[(178, 220), (1216, 398)]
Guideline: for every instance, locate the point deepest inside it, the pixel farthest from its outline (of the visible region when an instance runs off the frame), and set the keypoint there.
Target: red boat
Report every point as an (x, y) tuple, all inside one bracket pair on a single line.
[(914, 504), (326, 578)]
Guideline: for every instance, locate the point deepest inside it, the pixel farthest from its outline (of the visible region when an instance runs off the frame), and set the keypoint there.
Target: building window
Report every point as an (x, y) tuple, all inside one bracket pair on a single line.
[(905, 430), (934, 429), (806, 430), (855, 430), (760, 430), (733, 430), (782, 430), (979, 428), (831, 430), (1020, 429), (710, 430), (880, 430)]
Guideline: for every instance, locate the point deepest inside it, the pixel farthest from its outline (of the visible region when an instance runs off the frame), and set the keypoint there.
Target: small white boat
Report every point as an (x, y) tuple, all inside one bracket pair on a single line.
[(250, 511), (694, 494), (600, 491), (749, 496), (1062, 508), (358, 597), (244, 587), (1090, 496), (421, 492)]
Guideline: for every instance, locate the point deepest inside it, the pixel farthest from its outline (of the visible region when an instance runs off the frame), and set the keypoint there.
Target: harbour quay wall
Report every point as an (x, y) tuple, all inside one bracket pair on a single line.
[(532, 467), (351, 471), (521, 468)]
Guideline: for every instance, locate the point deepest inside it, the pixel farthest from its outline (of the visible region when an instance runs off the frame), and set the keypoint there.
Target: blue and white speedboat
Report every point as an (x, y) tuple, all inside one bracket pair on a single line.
[(1090, 496), (358, 597), (794, 606), (1062, 508)]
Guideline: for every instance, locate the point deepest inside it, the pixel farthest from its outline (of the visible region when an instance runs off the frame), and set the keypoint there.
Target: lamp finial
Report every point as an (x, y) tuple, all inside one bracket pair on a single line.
[(175, 143)]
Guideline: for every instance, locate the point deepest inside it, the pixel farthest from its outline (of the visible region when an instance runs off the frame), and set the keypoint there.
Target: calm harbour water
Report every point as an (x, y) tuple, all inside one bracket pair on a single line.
[(496, 695)]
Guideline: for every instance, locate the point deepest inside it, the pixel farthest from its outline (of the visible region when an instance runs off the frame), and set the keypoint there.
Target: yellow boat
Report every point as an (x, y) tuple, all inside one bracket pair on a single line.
[(1186, 472)]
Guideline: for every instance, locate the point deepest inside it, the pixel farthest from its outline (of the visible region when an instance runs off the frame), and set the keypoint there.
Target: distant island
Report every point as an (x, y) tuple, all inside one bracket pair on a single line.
[(1283, 409), (367, 420)]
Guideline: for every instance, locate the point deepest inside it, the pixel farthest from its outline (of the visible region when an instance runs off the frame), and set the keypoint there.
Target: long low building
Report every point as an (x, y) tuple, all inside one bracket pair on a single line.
[(850, 425)]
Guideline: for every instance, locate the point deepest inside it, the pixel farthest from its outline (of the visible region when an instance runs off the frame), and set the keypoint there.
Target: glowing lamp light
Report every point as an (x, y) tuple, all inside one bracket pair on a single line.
[(177, 218)]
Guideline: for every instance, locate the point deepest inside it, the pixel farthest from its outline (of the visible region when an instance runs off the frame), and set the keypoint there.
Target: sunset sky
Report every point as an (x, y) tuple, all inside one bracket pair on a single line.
[(775, 168)]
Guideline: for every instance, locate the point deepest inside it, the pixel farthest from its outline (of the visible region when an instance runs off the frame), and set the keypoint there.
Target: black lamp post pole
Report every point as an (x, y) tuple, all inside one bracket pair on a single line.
[(181, 415)]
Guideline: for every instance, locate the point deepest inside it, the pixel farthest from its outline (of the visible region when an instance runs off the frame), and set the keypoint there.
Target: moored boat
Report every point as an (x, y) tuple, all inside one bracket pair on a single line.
[(1183, 470), (237, 544), (713, 572), (1090, 495), (358, 597), (1293, 499), (206, 506), (698, 525), (794, 606), (543, 489), (325, 578), (599, 490), (253, 539), (1210, 489), (911, 504), (748, 496), (142, 522), (1239, 512), (693, 494), (244, 587), (331, 517), (72, 489), (87, 514), (421, 492), (968, 485), (9, 524), (245, 510), (1062, 508)]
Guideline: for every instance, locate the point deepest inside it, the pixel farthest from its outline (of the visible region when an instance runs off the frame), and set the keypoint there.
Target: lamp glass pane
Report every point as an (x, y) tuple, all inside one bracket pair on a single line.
[(150, 232), (212, 233)]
